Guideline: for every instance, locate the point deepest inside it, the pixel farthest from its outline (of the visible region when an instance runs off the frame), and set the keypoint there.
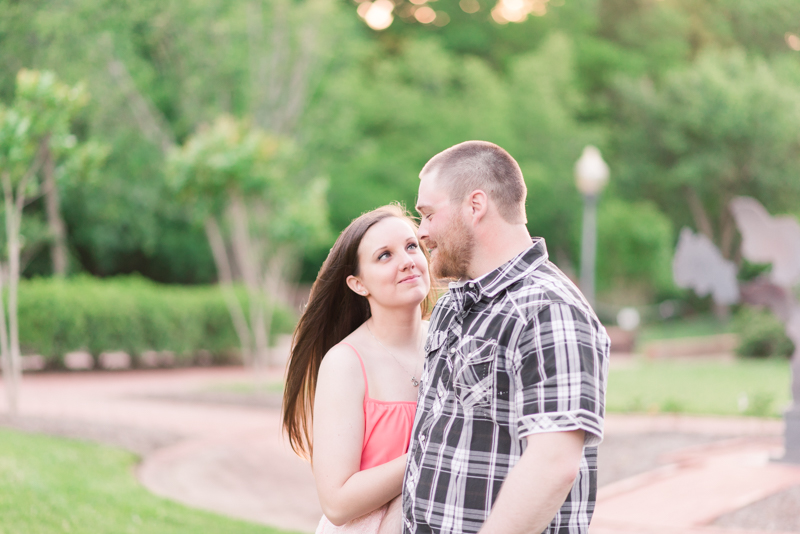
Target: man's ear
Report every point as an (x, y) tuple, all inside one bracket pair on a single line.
[(478, 204), (355, 284)]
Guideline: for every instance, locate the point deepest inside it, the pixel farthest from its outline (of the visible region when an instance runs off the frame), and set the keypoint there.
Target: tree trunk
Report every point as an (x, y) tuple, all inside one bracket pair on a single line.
[(13, 285), (699, 213), (259, 310), (58, 233), (727, 234), (272, 288), (14, 202), (5, 354), (14, 376), (721, 311), (727, 229), (280, 285), (223, 265), (248, 260)]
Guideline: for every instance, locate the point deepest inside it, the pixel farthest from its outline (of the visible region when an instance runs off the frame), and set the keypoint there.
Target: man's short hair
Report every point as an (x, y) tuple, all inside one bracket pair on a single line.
[(472, 165)]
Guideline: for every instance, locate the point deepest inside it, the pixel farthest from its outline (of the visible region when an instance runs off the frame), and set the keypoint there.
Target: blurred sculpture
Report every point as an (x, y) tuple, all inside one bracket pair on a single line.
[(698, 265), (767, 239), (775, 240)]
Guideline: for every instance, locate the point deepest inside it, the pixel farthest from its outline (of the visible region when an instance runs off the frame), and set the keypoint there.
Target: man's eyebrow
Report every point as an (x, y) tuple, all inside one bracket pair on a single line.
[(421, 207)]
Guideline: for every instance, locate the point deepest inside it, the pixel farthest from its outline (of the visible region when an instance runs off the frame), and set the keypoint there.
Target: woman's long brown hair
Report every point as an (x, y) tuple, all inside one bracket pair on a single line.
[(333, 312)]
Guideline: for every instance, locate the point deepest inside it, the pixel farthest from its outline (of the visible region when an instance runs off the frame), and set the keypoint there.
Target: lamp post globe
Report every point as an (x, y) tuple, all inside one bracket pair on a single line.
[(591, 176), (591, 172)]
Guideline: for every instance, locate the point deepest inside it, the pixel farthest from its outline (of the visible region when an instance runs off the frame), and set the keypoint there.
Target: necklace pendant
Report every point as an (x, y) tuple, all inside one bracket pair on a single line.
[(414, 382)]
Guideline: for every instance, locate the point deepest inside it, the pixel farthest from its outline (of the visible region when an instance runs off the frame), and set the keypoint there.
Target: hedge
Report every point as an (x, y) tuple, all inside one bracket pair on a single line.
[(128, 313), (761, 334)]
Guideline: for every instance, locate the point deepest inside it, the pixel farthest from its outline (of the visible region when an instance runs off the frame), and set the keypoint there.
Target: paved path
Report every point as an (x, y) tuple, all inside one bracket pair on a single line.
[(223, 457), (231, 458)]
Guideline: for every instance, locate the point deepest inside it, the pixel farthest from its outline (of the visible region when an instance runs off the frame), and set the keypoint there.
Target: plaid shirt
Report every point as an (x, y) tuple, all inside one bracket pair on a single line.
[(517, 352)]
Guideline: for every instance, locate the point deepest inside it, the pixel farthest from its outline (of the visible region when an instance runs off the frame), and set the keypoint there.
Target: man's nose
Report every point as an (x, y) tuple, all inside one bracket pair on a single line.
[(422, 231)]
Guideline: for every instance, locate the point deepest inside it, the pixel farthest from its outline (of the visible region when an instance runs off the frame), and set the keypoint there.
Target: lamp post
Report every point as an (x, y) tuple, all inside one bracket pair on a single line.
[(591, 175)]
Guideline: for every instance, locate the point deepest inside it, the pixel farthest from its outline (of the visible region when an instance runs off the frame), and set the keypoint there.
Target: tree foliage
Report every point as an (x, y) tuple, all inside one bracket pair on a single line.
[(723, 126), (374, 142), (33, 129), (676, 93), (237, 181)]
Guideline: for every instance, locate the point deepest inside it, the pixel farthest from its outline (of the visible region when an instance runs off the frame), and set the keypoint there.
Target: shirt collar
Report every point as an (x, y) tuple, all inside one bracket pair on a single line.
[(467, 292)]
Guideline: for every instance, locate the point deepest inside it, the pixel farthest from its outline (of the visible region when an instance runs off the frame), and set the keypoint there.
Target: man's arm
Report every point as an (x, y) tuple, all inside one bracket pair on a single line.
[(538, 485)]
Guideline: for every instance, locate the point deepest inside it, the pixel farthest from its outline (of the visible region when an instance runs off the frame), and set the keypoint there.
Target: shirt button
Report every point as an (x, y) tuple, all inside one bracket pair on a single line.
[(452, 350), (422, 438), (471, 285)]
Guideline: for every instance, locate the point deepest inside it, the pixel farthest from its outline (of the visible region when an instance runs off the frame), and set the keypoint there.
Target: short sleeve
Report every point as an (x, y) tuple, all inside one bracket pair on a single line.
[(560, 373)]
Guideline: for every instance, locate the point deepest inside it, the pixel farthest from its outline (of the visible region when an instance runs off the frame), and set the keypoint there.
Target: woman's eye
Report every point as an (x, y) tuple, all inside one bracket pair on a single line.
[(384, 255), (413, 246)]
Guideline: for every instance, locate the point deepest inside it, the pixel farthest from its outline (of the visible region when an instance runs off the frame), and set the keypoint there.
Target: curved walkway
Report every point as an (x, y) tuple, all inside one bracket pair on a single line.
[(196, 448), (202, 447)]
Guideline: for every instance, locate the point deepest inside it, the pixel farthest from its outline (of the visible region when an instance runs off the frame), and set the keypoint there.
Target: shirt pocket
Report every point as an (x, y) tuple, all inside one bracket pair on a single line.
[(474, 371), (434, 342), (432, 347)]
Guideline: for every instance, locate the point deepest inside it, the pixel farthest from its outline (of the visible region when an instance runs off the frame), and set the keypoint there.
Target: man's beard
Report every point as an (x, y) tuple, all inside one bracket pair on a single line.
[(454, 250)]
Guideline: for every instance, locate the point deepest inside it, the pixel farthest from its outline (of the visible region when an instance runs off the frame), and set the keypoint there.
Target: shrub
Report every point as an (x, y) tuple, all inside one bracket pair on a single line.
[(127, 313), (761, 334), (634, 250)]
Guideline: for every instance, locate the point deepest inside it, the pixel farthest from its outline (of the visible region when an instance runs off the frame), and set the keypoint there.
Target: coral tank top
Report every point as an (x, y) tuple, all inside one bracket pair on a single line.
[(387, 426)]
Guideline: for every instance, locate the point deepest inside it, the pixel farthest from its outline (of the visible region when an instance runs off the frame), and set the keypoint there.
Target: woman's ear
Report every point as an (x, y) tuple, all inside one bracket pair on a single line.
[(355, 284)]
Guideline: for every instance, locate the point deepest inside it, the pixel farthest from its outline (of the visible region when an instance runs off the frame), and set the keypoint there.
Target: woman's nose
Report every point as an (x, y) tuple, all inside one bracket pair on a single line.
[(407, 262)]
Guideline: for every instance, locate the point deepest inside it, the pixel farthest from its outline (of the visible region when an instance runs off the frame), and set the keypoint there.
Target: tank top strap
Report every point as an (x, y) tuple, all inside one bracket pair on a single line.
[(363, 369)]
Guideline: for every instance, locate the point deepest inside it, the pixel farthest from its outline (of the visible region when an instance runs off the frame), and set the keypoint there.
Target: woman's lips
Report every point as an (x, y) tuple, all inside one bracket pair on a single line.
[(409, 278)]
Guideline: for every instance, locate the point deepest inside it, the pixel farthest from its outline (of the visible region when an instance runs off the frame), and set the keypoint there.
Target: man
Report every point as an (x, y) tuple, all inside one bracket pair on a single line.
[(512, 399)]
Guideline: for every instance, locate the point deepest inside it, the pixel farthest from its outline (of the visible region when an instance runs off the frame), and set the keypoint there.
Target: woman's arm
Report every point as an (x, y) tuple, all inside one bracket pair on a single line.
[(345, 492)]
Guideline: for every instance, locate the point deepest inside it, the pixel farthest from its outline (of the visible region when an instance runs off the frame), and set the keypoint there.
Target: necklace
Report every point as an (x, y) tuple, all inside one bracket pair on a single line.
[(414, 380)]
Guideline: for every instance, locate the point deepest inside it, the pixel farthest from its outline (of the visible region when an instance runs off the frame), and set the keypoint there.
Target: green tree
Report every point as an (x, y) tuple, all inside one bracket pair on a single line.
[(150, 65), (368, 108), (724, 126), (239, 183), (32, 130), (374, 142)]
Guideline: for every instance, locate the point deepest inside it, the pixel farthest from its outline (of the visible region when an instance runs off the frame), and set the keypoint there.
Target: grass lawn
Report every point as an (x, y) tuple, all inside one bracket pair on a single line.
[(701, 325), (742, 387), (52, 485)]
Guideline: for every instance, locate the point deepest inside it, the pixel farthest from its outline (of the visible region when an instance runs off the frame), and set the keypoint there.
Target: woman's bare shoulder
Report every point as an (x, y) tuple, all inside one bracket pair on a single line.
[(340, 360), (340, 378)]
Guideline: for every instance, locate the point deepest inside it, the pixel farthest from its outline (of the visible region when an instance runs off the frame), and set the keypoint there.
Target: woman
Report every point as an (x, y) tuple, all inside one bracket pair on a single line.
[(355, 365)]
